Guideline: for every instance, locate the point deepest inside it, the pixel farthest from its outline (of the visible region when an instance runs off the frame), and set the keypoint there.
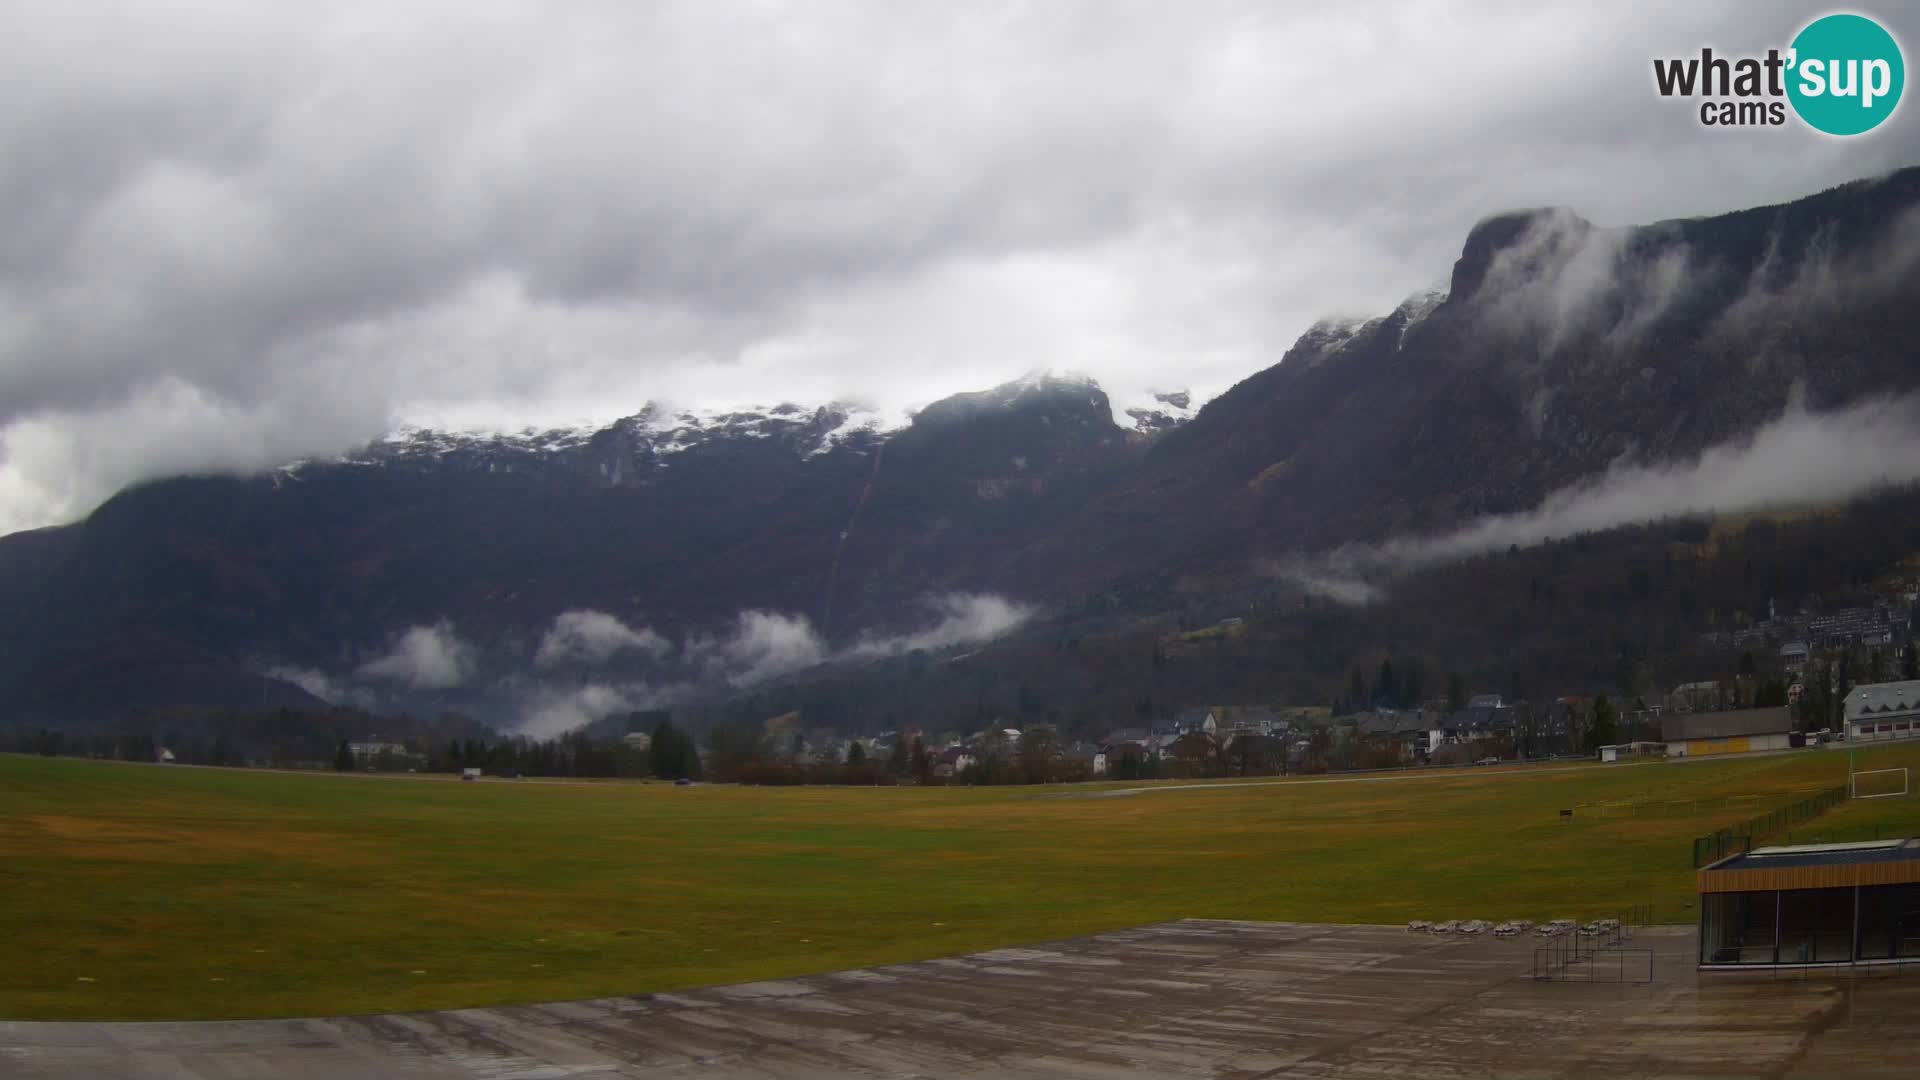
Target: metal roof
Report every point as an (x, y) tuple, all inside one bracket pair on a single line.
[(1815, 866), (1887, 697), (1678, 727), (1780, 858)]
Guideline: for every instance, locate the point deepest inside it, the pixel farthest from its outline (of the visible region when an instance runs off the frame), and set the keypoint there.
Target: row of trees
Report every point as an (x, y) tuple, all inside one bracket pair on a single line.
[(195, 749), (671, 755), (1399, 685), (575, 754), (741, 755)]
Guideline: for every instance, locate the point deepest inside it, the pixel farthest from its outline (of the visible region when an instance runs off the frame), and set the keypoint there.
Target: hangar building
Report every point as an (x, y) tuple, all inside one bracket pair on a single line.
[(1738, 731)]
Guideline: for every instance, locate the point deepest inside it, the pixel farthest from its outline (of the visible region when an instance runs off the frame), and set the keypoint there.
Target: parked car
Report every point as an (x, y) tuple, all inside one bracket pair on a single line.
[(1488, 761), (683, 782)]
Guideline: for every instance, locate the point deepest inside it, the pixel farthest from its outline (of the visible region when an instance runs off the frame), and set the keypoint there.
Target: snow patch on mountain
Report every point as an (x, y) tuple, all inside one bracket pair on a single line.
[(857, 420), (648, 438), (1325, 338), (410, 441), (1413, 310), (1155, 410)]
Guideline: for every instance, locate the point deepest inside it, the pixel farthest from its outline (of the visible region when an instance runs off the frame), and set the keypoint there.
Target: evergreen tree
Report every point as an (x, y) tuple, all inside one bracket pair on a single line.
[(1813, 697), (856, 753), (922, 764), (1413, 683), (343, 758), (1838, 706), (1910, 662), (899, 759), (673, 754), (1385, 692), (1456, 692), (1606, 729)]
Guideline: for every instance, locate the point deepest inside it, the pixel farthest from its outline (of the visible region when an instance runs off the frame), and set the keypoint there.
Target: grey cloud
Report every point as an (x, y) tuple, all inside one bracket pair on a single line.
[(594, 637), (316, 223), (549, 711), (761, 645), (962, 619), (1336, 577), (54, 467), (425, 658), (1565, 281), (1800, 458), (323, 686), (1821, 278), (552, 697), (583, 666), (757, 647)]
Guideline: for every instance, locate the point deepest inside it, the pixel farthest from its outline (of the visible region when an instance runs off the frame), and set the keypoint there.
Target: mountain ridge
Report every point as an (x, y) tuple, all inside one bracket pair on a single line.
[(1560, 349)]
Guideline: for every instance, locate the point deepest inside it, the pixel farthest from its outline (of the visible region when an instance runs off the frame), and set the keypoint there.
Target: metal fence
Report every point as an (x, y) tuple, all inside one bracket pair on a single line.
[(1552, 963), (1738, 839), (1596, 952)]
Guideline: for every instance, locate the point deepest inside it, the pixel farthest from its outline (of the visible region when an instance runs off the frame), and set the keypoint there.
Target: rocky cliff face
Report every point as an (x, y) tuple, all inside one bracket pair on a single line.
[(1561, 349)]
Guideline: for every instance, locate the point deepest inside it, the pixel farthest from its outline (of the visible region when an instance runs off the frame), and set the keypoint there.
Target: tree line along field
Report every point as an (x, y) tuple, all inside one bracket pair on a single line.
[(138, 891)]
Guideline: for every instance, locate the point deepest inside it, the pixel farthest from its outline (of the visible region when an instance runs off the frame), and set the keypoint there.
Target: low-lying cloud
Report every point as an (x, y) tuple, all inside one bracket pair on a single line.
[(590, 664), (1565, 280), (1800, 458), (761, 645), (1790, 285), (756, 647), (594, 637), (964, 618), (321, 685), (425, 658), (550, 711)]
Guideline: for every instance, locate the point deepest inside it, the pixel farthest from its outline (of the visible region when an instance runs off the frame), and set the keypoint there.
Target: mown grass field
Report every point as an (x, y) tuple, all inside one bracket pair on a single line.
[(135, 891)]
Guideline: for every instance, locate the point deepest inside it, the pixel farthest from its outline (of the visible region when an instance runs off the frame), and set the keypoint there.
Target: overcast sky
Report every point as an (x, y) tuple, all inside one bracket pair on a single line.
[(236, 234)]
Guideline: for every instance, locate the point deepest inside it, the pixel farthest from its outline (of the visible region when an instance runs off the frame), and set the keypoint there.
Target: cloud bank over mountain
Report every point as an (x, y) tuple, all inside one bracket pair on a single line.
[(1800, 458), (275, 232)]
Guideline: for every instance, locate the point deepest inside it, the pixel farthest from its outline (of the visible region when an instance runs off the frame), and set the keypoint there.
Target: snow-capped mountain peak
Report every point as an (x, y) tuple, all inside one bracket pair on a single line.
[(1156, 410), (629, 449)]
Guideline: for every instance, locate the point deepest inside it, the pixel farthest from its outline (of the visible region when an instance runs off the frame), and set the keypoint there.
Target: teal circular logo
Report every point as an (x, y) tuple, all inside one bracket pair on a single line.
[(1845, 74)]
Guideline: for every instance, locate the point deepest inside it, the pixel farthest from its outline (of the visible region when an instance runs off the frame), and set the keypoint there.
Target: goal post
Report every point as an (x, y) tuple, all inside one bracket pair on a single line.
[(1879, 784)]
